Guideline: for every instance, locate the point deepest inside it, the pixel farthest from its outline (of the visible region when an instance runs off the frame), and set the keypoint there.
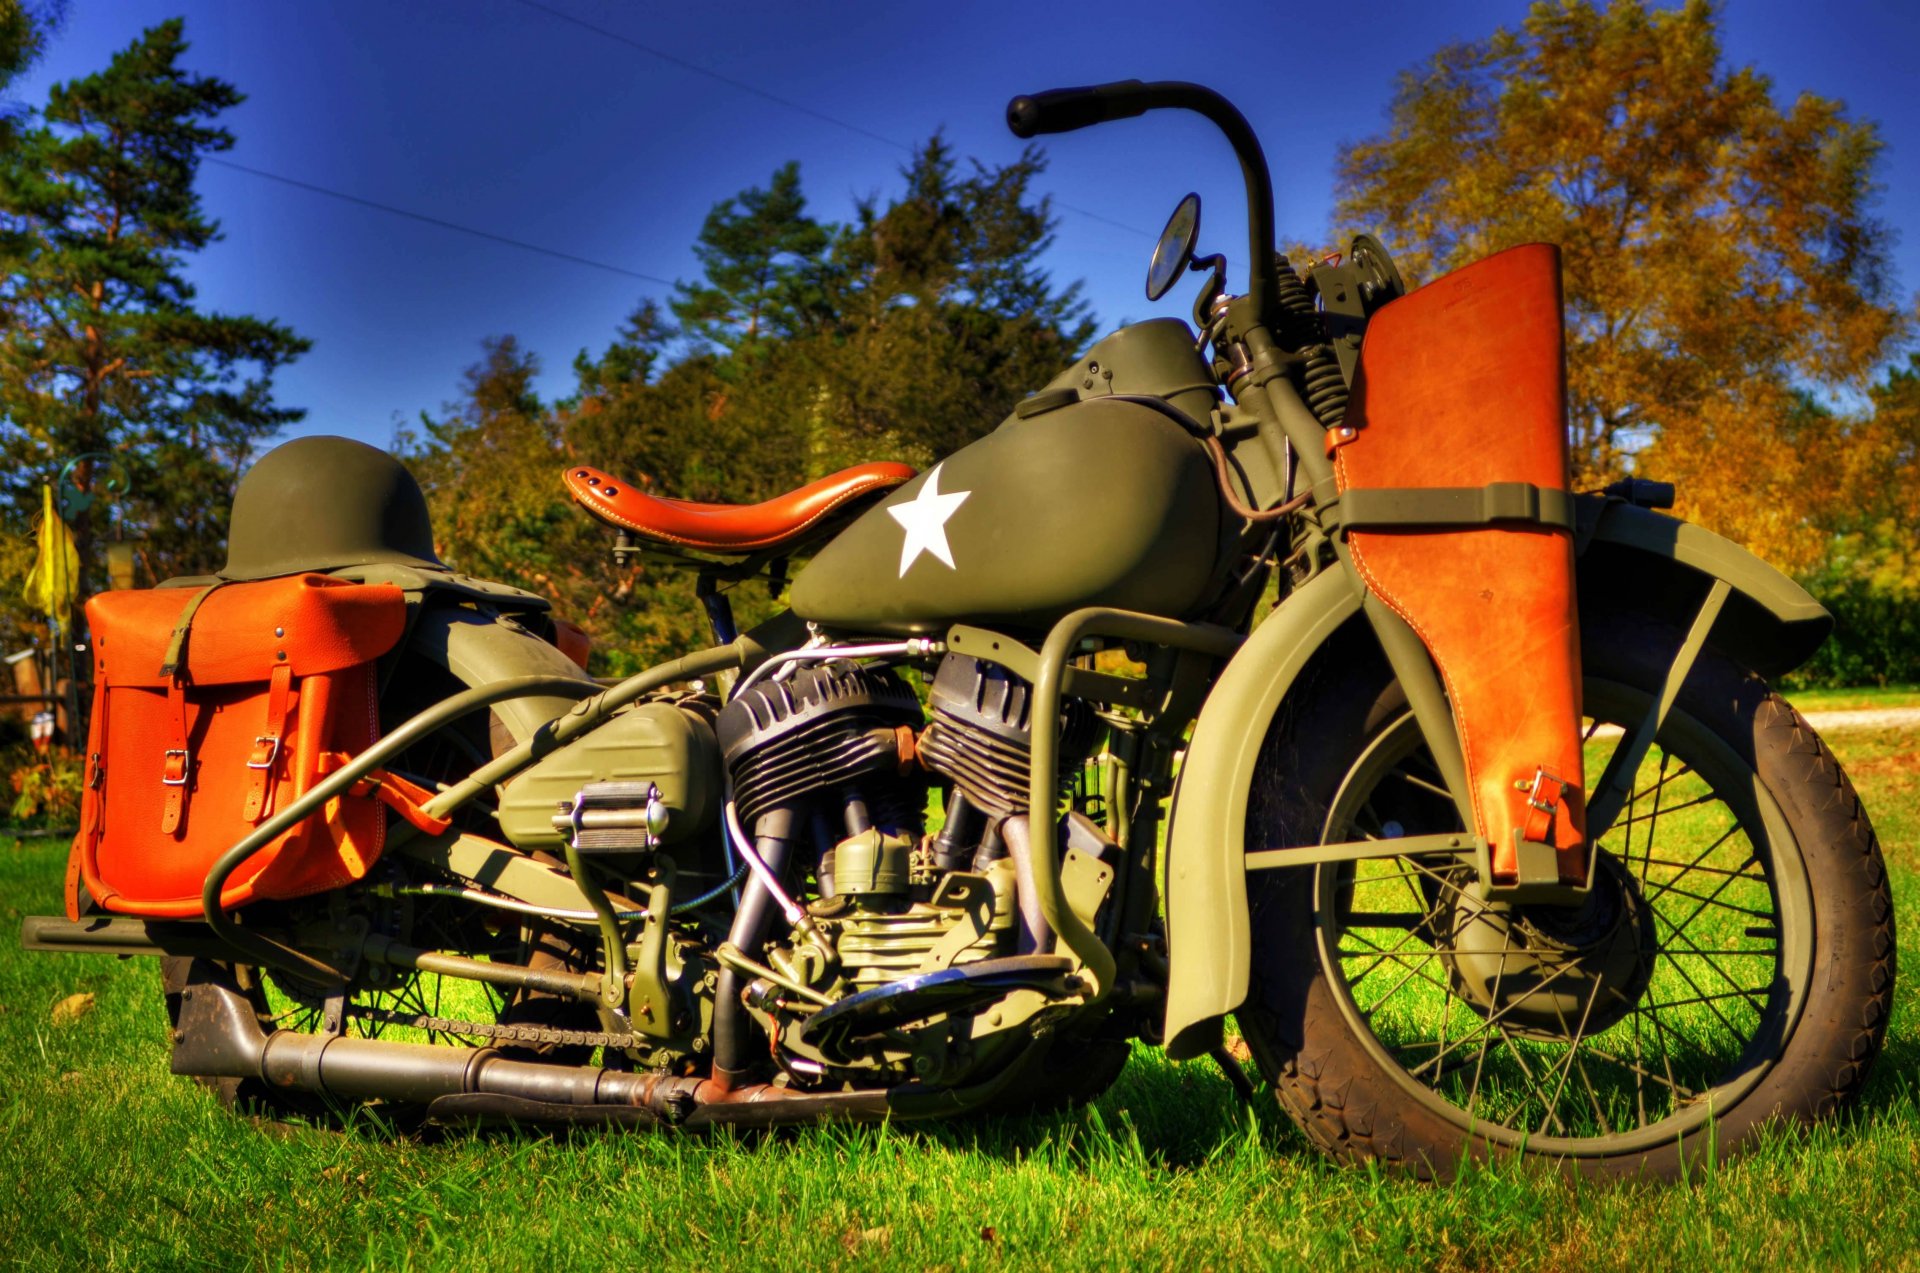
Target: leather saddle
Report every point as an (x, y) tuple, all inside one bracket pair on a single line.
[(782, 522)]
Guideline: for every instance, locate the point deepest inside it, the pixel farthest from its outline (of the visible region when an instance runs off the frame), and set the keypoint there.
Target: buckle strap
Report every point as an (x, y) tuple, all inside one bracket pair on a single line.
[(267, 746), (176, 762), (1546, 796)]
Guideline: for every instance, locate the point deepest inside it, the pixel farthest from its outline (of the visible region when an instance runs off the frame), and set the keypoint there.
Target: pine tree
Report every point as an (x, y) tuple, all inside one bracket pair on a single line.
[(102, 347), (762, 255), (945, 275), (633, 355)]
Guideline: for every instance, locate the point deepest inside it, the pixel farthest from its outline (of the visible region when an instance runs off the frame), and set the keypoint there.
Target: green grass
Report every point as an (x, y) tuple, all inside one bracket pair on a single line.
[(1878, 697), (113, 1163)]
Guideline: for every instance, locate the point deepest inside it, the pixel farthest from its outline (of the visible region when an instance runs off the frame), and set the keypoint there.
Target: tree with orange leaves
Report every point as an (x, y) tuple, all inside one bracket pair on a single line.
[(1721, 255)]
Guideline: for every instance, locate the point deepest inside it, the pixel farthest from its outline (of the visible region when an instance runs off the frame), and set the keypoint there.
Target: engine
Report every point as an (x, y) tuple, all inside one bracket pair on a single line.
[(825, 774), (829, 769)]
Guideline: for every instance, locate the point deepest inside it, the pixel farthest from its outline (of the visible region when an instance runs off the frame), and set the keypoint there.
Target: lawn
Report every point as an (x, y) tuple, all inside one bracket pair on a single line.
[(113, 1163), (1866, 697)]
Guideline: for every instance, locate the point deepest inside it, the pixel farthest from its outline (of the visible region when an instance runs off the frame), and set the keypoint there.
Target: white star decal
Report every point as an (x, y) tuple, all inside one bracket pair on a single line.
[(925, 519)]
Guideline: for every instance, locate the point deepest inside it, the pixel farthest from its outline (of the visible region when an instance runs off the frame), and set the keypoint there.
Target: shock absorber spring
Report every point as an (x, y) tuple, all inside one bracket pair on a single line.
[(1324, 387)]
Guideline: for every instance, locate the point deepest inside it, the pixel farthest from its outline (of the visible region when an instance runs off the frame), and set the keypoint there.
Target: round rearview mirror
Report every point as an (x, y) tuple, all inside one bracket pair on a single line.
[(1175, 249)]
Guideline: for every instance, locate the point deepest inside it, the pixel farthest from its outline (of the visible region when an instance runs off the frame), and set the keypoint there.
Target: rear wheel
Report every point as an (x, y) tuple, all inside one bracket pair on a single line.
[(1732, 963), (397, 902)]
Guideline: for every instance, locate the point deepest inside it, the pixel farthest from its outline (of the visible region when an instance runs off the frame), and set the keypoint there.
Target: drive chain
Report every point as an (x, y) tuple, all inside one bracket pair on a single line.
[(527, 1033), (514, 1033)]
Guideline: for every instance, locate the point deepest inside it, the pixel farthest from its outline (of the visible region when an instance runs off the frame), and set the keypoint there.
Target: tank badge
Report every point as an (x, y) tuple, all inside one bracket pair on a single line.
[(924, 518)]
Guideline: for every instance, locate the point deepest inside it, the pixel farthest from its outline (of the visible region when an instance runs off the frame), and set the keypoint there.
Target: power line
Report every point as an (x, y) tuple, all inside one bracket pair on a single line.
[(791, 105), (742, 85), (424, 219)]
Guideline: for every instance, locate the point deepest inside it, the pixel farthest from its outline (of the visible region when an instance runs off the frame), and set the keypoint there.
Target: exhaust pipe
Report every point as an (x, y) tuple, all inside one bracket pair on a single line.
[(219, 1035)]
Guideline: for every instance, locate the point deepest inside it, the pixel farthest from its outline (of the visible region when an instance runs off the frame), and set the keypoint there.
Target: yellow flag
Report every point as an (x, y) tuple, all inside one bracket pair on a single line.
[(55, 576)]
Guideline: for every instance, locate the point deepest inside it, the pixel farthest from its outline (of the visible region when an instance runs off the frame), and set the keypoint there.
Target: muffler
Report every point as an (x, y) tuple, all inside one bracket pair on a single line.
[(220, 1035)]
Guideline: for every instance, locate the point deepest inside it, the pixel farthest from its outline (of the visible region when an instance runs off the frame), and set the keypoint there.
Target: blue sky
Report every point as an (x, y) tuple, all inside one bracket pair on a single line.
[(500, 115)]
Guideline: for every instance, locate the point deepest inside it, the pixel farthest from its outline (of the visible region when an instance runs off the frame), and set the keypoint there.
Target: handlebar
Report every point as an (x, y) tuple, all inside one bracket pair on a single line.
[(1063, 110)]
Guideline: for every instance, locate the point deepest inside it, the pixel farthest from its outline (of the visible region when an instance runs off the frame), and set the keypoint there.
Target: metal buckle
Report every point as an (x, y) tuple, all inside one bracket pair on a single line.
[(166, 766), (272, 742), (1537, 800)]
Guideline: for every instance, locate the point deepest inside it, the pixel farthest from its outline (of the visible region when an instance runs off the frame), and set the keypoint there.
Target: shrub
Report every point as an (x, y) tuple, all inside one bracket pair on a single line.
[(46, 786), (1875, 641)]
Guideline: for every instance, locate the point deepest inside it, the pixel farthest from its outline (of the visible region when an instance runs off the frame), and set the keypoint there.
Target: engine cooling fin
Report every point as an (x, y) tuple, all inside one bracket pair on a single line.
[(981, 735), (823, 728)]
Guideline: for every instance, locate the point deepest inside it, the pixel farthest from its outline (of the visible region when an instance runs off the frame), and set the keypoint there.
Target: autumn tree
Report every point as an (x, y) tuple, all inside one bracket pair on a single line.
[(103, 350), (1720, 247)]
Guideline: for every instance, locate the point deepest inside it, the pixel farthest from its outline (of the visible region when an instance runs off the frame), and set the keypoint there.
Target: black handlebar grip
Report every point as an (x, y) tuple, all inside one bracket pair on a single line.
[(1061, 110)]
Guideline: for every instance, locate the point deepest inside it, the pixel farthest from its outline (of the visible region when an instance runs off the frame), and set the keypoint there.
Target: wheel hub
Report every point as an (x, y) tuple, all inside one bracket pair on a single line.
[(1553, 972)]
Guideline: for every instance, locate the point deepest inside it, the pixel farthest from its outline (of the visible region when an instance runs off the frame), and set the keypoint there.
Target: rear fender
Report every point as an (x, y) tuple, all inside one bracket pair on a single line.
[(480, 646), (1649, 562)]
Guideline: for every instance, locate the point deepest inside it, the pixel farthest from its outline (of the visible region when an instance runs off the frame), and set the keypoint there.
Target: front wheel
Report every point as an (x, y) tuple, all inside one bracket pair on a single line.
[(1732, 963)]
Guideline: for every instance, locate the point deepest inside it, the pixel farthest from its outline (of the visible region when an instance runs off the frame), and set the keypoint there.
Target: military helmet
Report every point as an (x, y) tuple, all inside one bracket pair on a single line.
[(321, 503)]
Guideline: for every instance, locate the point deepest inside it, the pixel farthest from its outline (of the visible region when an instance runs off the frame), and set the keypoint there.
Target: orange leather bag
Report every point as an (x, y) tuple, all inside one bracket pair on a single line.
[(1456, 437), (212, 709)]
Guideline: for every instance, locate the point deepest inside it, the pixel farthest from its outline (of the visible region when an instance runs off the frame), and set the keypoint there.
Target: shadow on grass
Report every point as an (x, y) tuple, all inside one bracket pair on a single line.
[(1157, 1115)]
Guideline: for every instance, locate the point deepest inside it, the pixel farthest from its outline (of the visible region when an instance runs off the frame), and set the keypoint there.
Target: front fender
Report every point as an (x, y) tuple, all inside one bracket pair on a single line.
[(1629, 558), (1207, 927), (1665, 566)]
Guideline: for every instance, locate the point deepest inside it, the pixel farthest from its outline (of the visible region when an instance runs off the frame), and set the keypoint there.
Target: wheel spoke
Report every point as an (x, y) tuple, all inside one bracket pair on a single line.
[(1724, 974), (1494, 1018), (1384, 956), (1726, 835), (1710, 1002), (1624, 823), (1708, 870), (1573, 1047), (1593, 1097), (1423, 784), (1664, 778), (1706, 900), (1640, 1073)]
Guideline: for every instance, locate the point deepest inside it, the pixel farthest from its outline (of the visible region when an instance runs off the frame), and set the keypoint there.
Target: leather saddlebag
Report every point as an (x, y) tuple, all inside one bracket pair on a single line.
[(212, 709), (1453, 479)]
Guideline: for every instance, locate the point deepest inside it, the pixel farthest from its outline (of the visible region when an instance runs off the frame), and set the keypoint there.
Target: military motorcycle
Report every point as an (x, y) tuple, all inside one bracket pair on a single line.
[(1263, 670)]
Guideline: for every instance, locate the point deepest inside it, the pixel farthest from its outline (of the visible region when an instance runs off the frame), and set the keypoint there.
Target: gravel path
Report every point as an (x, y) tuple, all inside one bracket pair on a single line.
[(1865, 718), (1838, 721)]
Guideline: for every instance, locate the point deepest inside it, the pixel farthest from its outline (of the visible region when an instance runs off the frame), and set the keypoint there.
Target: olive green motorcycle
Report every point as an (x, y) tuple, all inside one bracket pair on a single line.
[(1262, 674)]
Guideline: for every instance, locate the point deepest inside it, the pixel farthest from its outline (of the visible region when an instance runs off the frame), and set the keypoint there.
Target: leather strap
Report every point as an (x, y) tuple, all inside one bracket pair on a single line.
[(175, 660), (1546, 797), (1408, 507), (176, 764), (87, 843), (263, 759), (404, 796)]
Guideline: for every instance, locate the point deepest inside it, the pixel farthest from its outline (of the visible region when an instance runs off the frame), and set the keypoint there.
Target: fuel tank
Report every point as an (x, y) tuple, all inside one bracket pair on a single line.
[(1072, 502)]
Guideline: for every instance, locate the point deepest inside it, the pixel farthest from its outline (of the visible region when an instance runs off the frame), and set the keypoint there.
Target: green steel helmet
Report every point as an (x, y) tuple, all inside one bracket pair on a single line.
[(321, 503)]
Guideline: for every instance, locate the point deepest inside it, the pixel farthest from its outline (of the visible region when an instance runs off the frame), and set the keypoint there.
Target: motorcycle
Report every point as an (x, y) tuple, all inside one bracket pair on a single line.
[(1264, 668)]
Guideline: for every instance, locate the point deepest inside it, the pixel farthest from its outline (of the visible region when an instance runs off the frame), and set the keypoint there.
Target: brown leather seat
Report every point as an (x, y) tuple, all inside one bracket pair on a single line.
[(728, 528)]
